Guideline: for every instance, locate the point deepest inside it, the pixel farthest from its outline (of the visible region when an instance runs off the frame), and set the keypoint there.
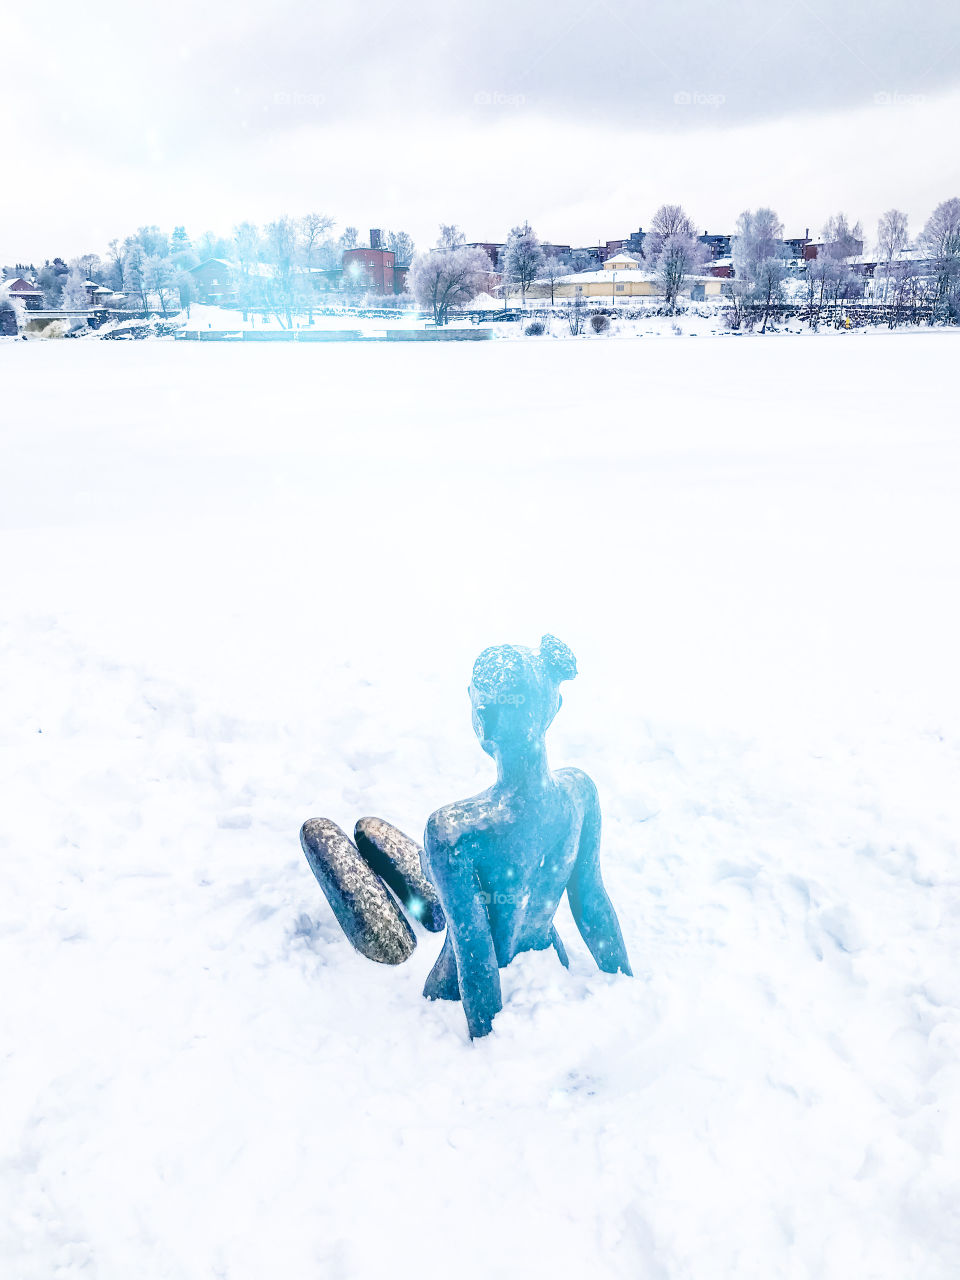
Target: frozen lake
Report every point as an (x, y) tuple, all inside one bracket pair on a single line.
[(246, 587)]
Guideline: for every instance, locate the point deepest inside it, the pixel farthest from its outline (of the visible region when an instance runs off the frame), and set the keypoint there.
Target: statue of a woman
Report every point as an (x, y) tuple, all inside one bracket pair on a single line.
[(495, 865), (501, 860)]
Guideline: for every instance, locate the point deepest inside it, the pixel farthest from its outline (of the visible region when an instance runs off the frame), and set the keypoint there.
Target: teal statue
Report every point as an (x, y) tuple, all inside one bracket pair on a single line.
[(493, 868)]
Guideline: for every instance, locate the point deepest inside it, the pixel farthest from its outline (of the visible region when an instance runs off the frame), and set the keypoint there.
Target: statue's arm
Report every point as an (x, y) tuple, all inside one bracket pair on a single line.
[(454, 877), (591, 906)]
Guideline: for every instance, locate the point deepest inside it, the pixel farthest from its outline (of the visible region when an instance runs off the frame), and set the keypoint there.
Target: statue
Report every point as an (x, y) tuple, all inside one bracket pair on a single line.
[(493, 868)]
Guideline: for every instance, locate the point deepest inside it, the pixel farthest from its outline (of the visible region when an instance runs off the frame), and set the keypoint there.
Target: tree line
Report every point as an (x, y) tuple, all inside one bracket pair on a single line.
[(275, 266)]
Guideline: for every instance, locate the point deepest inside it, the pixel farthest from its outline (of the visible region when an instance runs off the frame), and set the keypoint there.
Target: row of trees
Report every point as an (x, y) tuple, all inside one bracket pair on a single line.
[(275, 265), (907, 278)]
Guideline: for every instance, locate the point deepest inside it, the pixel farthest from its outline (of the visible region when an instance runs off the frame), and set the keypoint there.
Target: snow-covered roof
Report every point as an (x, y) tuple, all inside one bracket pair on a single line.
[(28, 287), (221, 262), (604, 277), (622, 259)]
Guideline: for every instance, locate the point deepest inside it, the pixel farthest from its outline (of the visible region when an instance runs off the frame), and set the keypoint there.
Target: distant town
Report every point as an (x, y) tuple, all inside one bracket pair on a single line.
[(295, 269)]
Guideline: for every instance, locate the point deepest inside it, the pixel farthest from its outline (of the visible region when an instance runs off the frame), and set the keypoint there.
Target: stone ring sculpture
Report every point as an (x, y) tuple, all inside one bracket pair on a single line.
[(493, 868)]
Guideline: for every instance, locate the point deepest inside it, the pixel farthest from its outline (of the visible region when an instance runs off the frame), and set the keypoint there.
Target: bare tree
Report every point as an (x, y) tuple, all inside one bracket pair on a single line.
[(158, 277), (767, 292), (315, 228), (576, 316), (282, 247), (89, 264), (840, 239), (246, 253), (906, 292), (892, 240), (669, 220), (555, 268), (679, 258), (521, 259), (134, 272), (941, 241), (448, 278), (401, 245), (451, 237), (758, 238), (115, 264), (74, 295)]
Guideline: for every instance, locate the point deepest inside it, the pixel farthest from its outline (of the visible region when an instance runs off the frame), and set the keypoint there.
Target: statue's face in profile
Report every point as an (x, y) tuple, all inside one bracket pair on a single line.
[(480, 713)]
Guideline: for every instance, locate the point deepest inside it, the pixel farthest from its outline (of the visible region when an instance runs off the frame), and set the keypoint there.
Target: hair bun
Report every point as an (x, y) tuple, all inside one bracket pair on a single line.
[(557, 658)]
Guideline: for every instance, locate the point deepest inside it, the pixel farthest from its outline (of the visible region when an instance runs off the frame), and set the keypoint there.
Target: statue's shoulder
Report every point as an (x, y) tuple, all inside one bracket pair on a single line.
[(446, 826), (580, 785)]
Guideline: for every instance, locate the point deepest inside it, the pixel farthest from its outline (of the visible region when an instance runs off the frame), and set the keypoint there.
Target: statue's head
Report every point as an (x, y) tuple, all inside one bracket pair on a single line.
[(515, 692)]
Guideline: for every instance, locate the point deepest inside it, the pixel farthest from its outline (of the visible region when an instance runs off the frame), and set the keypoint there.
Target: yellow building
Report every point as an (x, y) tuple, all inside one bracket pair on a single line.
[(622, 276)]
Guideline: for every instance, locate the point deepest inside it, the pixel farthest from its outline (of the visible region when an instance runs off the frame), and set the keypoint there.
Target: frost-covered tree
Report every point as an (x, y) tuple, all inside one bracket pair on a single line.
[(212, 245), (758, 238), (445, 279), (555, 267), (246, 253), (114, 267), (941, 242), (50, 279), (451, 237), (315, 231), (158, 277), (181, 250), (893, 236), (521, 259), (134, 273), (90, 266), (905, 292), (154, 242), (581, 260), (679, 257), (766, 294), (840, 239), (73, 296), (818, 275), (281, 247), (401, 245), (669, 220), (185, 286), (349, 239)]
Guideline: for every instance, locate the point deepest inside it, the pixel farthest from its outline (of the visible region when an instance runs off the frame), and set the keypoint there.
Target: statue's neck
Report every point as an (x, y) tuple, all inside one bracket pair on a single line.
[(523, 768)]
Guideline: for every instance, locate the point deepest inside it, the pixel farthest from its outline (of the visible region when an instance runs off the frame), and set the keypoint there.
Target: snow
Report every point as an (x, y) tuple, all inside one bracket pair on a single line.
[(246, 587)]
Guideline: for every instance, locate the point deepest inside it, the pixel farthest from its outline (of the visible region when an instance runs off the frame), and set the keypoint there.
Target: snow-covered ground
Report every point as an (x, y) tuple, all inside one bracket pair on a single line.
[(246, 587)]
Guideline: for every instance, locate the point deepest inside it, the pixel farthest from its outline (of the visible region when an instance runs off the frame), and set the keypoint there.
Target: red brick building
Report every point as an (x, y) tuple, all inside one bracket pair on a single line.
[(375, 268)]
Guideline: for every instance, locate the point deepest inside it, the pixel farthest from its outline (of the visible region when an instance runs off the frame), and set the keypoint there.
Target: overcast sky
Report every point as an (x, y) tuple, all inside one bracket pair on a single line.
[(579, 116)]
